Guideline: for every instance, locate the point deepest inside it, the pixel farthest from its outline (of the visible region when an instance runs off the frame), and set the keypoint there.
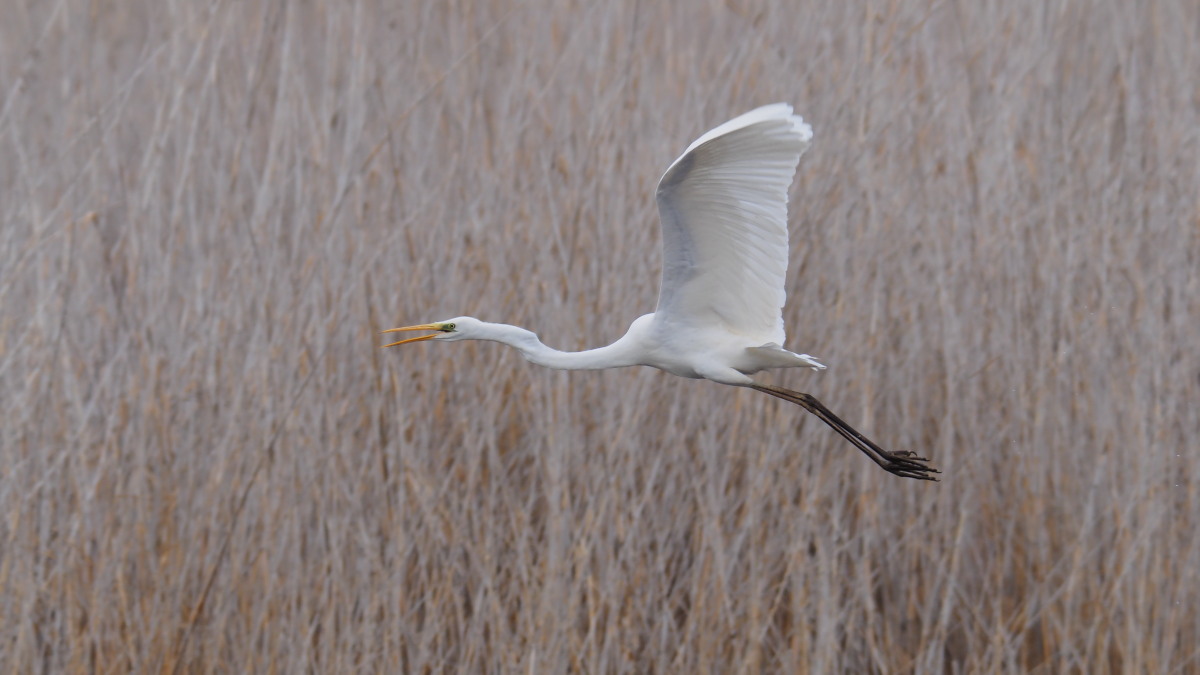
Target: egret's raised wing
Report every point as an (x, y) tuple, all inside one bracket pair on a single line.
[(723, 205)]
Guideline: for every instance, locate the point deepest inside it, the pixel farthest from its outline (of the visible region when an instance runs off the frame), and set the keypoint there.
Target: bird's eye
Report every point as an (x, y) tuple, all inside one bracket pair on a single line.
[(447, 327)]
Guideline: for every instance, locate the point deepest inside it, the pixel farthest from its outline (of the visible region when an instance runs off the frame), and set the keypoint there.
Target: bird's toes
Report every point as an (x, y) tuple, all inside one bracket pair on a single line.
[(908, 455), (909, 465)]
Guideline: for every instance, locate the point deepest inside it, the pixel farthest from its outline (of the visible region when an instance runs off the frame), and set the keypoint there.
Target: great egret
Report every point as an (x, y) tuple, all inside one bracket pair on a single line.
[(723, 206)]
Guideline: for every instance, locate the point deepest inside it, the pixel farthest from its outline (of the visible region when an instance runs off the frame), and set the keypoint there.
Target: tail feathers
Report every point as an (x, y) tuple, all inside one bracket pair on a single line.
[(779, 357)]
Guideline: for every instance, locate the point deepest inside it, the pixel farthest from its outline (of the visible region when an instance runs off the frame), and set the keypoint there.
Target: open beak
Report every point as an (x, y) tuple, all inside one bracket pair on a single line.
[(424, 326)]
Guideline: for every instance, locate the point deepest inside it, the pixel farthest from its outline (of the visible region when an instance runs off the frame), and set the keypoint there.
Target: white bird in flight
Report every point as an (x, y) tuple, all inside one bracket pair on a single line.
[(723, 206)]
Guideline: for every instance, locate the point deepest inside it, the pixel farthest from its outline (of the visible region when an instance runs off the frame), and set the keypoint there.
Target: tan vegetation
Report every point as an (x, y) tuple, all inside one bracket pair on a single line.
[(209, 210)]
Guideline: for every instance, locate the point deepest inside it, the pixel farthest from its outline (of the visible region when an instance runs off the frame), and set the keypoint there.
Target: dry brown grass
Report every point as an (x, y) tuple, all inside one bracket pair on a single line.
[(208, 210)]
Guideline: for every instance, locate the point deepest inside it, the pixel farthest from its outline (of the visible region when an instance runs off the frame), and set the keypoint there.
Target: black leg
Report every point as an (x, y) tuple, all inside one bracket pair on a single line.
[(904, 464)]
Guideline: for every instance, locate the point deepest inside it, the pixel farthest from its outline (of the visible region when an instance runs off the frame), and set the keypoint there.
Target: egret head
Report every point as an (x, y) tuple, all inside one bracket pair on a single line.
[(459, 328)]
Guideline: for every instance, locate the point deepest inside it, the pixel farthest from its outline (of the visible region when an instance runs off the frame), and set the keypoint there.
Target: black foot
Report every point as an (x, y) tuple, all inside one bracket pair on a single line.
[(907, 465)]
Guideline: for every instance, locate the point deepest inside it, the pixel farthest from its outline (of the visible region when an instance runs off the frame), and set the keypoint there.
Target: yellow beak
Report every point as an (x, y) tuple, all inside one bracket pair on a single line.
[(424, 326)]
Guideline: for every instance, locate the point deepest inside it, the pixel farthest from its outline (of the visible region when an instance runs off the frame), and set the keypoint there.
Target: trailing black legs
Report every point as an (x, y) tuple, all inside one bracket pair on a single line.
[(904, 464)]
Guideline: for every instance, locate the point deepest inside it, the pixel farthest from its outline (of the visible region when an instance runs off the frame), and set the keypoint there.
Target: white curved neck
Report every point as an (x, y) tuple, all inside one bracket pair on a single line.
[(616, 355)]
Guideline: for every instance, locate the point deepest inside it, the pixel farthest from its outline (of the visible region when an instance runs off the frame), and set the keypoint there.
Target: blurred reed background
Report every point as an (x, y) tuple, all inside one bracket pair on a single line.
[(208, 210)]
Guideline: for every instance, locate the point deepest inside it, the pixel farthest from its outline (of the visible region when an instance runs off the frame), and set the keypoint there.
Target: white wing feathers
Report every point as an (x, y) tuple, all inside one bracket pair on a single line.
[(723, 205)]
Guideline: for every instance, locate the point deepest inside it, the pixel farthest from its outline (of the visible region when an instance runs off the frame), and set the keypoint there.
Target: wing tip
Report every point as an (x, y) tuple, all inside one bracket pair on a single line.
[(782, 111), (767, 113), (803, 129)]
